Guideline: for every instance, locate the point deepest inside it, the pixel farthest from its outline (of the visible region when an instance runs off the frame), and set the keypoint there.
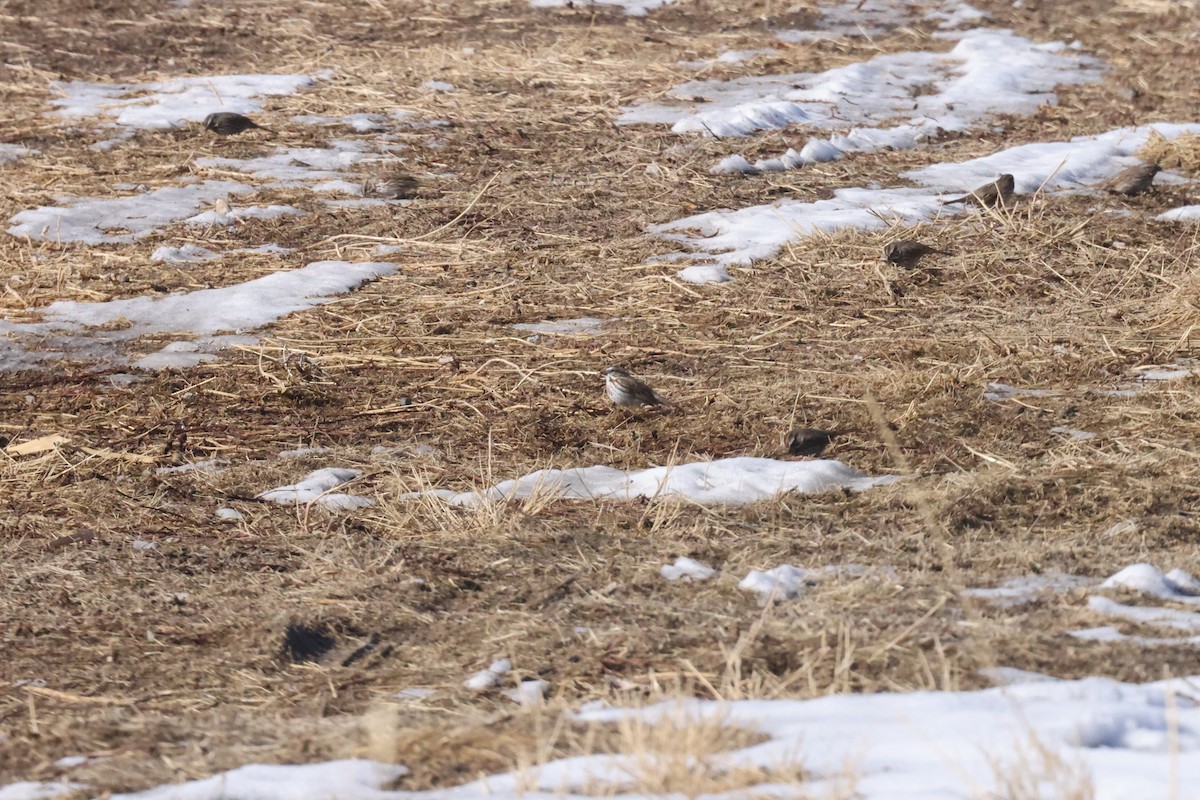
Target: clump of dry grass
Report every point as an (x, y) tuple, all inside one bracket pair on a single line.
[(1038, 770), (1182, 152)]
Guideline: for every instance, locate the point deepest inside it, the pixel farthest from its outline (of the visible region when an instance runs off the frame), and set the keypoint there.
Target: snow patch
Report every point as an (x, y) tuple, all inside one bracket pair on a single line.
[(12, 152), (579, 325), (120, 219), (632, 8), (68, 329), (1028, 588), (739, 237), (187, 254), (355, 779), (315, 488), (168, 104), (489, 678), (321, 169), (988, 73), (730, 481), (687, 570)]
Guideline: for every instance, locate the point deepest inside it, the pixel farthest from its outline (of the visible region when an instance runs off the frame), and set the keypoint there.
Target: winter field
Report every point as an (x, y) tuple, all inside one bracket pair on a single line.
[(312, 491)]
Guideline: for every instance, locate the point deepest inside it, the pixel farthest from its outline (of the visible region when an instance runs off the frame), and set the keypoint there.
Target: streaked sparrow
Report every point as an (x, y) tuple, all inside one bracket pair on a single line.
[(999, 191), (625, 390)]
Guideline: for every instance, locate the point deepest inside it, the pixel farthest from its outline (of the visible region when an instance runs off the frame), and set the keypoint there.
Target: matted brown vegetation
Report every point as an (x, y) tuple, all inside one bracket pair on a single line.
[(168, 661)]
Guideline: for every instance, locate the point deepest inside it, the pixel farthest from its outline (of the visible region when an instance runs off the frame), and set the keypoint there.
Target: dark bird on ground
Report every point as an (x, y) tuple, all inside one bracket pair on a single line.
[(229, 123), (809, 441), (625, 390), (998, 192), (1137, 179), (907, 252), (391, 186)]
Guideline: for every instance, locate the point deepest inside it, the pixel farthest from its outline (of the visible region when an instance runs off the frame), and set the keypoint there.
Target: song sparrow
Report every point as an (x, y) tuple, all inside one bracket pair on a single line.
[(229, 123), (391, 186), (998, 191), (1133, 180), (808, 441), (625, 390), (907, 252)]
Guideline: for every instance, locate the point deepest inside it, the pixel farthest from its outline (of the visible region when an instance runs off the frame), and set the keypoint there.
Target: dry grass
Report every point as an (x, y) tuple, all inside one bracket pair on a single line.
[(168, 662)]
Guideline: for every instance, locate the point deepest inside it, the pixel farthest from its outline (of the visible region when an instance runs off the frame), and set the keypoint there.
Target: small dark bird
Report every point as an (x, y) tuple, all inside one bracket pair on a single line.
[(998, 192), (229, 123), (1137, 179), (625, 390), (303, 643), (392, 186), (808, 441), (907, 252)]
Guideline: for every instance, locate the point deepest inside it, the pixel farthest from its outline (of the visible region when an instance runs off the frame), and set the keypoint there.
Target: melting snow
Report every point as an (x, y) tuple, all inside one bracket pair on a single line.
[(1181, 214), (989, 72), (687, 570), (528, 692), (121, 219), (362, 123), (1026, 589), (315, 487), (319, 168), (585, 325), (489, 678), (730, 481), (69, 327), (740, 237), (633, 8), (187, 254), (1176, 585), (167, 104), (12, 152), (1126, 740), (787, 582), (34, 790), (234, 215)]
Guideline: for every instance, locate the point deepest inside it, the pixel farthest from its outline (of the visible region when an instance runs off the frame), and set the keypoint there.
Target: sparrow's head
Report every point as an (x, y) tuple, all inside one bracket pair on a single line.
[(1154, 169), (615, 371), (889, 251), (1006, 183), (208, 121)]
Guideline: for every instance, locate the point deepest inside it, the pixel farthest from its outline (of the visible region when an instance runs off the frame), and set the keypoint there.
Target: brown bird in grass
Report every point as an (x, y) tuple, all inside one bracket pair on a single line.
[(229, 123), (391, 186), (625, 390), (1137, 179), (907, 252), (809, 441), (999, 192)]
